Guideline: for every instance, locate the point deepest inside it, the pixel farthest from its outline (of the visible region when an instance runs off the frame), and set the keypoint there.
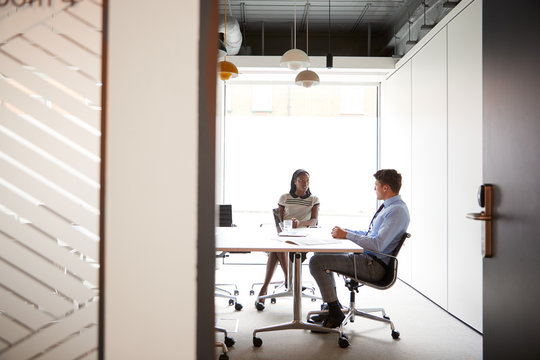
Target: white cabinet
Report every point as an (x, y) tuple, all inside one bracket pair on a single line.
[(395, 145), (431, 131), (429, 170), (465, 164)]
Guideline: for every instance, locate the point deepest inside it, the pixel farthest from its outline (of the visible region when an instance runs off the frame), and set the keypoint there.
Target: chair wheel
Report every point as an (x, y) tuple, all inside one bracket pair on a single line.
[(395, 334), (273, 300), (231, 302), (238, 306), (259, 306), (343, 342), (236, 292), (257, 341), (229, 341), (223, 357), (251, 292)]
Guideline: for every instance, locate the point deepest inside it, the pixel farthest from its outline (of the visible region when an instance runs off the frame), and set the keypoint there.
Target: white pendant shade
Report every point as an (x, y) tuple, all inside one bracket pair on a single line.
[(294, 59), (307, 78)]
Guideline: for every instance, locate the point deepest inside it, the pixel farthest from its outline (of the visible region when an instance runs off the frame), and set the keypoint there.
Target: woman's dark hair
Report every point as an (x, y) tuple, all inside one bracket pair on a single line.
[(295, 175)]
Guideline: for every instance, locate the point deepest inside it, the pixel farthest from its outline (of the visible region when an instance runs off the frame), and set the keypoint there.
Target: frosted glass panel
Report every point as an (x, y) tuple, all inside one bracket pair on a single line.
[(50, 135)]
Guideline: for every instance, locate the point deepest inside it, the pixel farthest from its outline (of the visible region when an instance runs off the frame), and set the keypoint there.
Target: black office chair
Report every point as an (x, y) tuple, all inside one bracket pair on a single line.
[(353, 284), (225, 220)]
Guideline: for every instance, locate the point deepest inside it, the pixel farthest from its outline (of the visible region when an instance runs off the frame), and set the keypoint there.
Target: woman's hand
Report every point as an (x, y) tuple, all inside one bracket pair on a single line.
[(339, 233), (295, 223)]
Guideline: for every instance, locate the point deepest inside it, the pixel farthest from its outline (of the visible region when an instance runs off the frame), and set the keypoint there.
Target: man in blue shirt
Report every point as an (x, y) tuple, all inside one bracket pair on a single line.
[(388, 225)]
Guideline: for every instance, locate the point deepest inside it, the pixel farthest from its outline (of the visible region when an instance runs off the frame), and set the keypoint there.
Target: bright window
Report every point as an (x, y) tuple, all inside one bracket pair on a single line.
[(306, 128)]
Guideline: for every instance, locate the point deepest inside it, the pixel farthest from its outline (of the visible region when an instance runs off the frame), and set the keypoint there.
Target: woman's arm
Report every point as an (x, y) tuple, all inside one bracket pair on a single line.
[(311, 222), (281, 212)]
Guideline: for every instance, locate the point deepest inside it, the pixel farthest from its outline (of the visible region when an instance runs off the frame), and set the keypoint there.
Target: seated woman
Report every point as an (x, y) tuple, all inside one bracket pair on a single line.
[(300, 206)]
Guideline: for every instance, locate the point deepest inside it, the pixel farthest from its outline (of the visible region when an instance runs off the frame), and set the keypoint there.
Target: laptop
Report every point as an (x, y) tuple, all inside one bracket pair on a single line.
[(279, 227)]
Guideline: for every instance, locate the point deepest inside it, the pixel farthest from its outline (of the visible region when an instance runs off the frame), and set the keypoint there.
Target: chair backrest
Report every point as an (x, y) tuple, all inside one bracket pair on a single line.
[(390, 276), (225, 216), (277, 219)]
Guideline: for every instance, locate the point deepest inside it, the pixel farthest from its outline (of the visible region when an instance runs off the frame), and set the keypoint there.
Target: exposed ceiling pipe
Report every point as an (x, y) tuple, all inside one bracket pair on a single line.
[(359, 20), (234, 34)]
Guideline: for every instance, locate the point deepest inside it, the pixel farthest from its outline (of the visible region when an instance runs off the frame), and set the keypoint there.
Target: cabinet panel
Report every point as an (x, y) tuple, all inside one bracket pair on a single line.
[(395, 143), (429, 170), (465, 164)]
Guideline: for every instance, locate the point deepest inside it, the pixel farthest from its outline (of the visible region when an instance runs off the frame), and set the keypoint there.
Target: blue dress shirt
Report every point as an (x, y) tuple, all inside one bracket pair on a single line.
[(388, 227)]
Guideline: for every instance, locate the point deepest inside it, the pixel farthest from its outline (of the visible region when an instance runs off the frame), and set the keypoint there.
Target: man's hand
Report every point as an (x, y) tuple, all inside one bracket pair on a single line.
[(339, 233)]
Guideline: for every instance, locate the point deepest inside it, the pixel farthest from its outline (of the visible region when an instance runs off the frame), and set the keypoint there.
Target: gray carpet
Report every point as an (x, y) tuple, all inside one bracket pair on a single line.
[(427, 332)]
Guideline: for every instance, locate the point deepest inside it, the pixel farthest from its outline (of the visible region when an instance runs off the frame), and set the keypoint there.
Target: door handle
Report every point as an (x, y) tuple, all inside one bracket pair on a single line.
[(485, 199), (479, 216)]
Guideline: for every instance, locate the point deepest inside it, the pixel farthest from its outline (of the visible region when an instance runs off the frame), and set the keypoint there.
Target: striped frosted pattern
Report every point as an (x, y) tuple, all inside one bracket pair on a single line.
[(50, 110)]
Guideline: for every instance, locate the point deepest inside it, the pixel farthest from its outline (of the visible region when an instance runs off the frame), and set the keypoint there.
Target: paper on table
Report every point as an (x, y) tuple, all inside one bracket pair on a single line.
[(310, 240)]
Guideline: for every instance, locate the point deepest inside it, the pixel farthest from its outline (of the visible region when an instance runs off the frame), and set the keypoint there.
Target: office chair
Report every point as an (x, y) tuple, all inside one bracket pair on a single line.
[(353, 284), (225, 344), (225, 220), (277, 285)]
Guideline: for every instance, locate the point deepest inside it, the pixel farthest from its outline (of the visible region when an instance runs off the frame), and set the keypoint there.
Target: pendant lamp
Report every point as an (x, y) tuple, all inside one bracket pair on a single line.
[(329, 57), (307, 78), (226, 69), (294, 58)]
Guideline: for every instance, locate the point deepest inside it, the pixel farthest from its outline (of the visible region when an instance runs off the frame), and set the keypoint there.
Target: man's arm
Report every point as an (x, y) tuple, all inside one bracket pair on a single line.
[(390, 228)]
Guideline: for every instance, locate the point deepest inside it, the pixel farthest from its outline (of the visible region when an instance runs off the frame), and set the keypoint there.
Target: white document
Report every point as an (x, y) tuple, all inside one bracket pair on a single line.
[(311, 240)]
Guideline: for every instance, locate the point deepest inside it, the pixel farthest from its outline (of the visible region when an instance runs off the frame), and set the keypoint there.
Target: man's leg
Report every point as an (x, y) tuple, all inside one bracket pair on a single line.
[(321, 267)]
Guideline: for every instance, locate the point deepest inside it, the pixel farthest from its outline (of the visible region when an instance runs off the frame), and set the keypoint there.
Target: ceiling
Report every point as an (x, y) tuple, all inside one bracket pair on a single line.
[(343, 27)]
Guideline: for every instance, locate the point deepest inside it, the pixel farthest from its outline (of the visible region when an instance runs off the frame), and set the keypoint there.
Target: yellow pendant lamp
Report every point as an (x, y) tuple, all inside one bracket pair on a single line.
[(226, 69)]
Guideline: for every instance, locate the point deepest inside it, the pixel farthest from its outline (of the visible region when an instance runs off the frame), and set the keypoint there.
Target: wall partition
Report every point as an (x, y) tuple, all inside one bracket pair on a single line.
[(432, 104), (50, 136)]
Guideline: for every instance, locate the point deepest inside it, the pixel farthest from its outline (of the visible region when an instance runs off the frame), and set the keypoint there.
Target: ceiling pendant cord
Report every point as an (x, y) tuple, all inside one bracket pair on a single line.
[(225, 32), (307, 29), (294, 29)]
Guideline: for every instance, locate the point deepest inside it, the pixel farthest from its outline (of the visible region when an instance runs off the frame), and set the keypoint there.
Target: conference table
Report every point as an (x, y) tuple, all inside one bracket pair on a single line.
[(248, 239)]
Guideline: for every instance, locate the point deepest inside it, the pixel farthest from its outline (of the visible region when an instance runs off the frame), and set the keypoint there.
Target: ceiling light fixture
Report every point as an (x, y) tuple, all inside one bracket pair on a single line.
[(307, 78), (329, 56), (226, 69), (294, 58)]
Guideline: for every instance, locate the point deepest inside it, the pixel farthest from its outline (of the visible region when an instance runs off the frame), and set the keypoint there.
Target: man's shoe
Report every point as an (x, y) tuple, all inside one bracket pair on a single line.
[(319, 318), (334, 320)]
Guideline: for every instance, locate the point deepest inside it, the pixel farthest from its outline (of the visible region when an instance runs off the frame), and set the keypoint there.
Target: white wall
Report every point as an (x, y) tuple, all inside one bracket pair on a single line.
[(443, 124), (151, 179)]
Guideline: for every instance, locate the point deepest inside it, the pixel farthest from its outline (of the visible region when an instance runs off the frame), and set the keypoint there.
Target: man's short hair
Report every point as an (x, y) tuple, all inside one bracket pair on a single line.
[(389, 177)]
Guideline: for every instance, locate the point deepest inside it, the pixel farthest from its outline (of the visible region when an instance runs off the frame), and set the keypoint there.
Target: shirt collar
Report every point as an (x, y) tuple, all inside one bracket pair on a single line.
[(301, 197), (392, 200)]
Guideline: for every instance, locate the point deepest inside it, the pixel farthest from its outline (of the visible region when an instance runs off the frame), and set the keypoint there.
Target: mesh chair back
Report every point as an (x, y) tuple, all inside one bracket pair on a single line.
[(225, 216), (390, 275)]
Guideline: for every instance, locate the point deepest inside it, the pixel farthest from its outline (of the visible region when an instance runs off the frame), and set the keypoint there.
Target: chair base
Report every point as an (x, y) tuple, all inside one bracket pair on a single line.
[(351, 312)]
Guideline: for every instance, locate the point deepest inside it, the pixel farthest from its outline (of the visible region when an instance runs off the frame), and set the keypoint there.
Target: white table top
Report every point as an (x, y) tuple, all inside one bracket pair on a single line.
[(266, 239)]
